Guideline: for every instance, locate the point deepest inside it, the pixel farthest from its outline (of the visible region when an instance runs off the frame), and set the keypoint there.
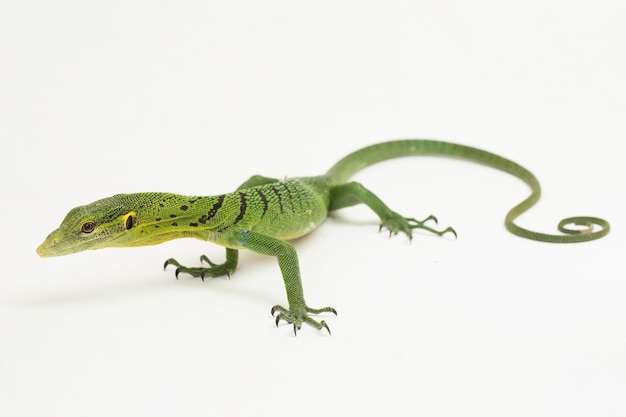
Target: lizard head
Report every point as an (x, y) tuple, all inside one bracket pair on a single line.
[(103, 223)]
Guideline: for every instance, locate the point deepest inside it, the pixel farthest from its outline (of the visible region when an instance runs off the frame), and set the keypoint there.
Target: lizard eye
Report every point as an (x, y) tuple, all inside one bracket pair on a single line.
[(88, 227), (129, 222)]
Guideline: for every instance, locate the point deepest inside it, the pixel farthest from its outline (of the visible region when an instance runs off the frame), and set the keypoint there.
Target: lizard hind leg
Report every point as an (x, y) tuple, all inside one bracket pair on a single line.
[(395, 223), (351, 193)]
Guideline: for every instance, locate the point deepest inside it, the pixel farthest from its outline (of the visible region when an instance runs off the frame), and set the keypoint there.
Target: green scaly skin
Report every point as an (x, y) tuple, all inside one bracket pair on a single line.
[(264, 213)]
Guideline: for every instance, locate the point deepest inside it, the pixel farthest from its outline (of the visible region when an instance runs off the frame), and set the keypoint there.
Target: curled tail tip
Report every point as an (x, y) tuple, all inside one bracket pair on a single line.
[(588, 225), (574, 230)]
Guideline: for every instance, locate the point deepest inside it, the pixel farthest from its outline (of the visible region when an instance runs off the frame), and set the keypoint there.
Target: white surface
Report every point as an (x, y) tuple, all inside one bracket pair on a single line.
[(98, 98)]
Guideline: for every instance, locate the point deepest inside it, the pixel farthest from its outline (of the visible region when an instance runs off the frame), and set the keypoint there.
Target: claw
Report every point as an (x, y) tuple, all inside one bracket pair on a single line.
[(177, 272), (278, 308), (322, 310), (323, 323), (431, 217), (206, 259), (169, 262)]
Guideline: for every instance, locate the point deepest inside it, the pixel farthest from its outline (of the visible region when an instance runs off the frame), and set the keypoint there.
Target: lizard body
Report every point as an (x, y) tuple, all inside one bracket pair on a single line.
[(263, 213)]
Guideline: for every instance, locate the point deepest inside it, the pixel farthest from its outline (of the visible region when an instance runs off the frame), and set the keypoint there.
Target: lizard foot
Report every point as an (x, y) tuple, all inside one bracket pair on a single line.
[(216, 270), (395, 223), (301, 315)]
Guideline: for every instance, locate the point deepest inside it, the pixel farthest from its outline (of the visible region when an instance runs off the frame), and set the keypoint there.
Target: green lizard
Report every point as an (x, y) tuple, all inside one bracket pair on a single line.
[(264, 213)]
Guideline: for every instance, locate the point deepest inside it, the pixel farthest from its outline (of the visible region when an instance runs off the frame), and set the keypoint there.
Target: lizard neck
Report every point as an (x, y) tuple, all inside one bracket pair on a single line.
[(163, 216)]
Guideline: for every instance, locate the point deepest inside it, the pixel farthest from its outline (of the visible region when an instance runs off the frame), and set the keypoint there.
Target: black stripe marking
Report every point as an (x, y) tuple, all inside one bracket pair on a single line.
[(264, 199), (213, 211), (193, 224), (298, 192), (242, 211), (280, 198), (290, 195), (242, 208)]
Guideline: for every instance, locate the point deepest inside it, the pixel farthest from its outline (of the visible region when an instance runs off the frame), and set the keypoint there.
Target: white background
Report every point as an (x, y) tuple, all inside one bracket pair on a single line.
[(193, 97)]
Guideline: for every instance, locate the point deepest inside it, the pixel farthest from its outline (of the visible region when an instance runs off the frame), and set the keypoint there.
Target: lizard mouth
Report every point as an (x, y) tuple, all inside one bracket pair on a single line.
[(50, 247), (43, 250), (54, 246)]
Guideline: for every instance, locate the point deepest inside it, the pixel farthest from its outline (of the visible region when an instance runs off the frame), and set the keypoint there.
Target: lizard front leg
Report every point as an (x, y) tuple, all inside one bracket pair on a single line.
[(298, 311)]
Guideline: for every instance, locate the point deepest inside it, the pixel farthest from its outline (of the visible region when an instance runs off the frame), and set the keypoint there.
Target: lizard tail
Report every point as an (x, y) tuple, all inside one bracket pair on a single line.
[(362, 158)]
